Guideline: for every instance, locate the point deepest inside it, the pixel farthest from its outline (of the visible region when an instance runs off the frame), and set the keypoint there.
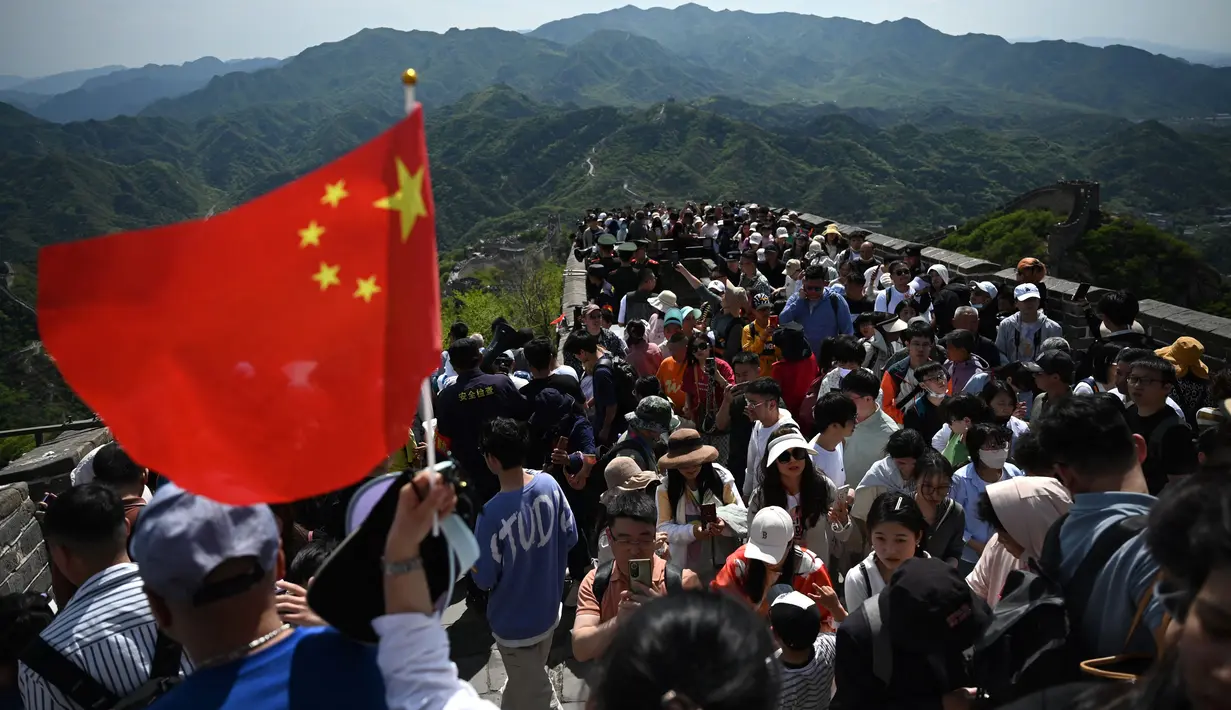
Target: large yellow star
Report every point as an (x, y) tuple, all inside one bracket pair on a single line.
[(327, 276), (334, 193), (366, 288), (311, 235), (408, 200)]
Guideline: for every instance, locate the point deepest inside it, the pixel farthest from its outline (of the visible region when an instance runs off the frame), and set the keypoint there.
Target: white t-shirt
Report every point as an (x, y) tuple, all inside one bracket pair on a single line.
[(830, 463), (894, 297), (862, 581), (1025, 347)]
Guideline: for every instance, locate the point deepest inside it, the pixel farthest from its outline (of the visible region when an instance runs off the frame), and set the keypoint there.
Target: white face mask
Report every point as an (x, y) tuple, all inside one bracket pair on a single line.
[(843, 372), (994, 459)]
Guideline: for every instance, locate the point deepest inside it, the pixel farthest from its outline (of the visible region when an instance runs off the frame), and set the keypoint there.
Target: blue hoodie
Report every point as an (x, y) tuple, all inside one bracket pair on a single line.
[(829, 316), (524, 538)]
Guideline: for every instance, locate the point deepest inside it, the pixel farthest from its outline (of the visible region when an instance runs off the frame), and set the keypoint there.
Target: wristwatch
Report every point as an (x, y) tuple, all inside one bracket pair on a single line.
[(399, 567)]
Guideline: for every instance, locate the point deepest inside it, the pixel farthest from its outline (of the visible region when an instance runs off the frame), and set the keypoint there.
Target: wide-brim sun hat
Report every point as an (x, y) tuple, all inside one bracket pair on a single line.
[(782, 444), (685, 448), (623, 475), (664, 301)]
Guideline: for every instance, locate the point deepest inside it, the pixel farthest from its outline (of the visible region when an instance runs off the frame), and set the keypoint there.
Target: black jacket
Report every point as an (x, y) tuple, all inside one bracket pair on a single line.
[(913, 685)]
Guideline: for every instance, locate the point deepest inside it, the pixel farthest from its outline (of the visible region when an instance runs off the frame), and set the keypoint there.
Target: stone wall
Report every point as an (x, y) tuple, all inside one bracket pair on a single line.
[(46, 469), (1163, 321), (23, 556)]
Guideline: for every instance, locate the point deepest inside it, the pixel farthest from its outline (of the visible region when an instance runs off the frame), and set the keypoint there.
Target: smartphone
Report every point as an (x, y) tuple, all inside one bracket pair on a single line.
[(562, 443), (577, 317), (641, 571), (1081, 292), (843, 492), (738, 388), (773, 321), (709, 513)]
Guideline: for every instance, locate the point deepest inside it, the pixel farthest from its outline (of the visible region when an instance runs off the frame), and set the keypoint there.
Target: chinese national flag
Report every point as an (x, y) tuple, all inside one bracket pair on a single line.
[(270, 353)]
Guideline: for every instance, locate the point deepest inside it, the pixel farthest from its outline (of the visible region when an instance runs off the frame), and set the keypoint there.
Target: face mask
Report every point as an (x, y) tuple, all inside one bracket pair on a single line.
[(843, 372), (994, 459), (977, 306)]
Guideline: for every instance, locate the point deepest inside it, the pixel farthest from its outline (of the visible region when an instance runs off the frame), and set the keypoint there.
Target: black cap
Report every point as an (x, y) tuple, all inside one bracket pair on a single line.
[(1052, 362), (913, 250), (733, 255), (596, 270), (929, 607), (759, 301)]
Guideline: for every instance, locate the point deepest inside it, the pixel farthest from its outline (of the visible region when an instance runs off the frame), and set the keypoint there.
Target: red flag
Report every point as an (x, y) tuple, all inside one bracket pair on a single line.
[(270, 353)]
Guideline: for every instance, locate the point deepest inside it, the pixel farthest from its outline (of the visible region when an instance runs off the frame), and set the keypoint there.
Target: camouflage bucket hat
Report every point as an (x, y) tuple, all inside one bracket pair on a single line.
[(652, 414)]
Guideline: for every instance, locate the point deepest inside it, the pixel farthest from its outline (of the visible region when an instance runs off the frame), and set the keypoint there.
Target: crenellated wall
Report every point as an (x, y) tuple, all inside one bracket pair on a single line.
[(1163, 321), (23, 557)]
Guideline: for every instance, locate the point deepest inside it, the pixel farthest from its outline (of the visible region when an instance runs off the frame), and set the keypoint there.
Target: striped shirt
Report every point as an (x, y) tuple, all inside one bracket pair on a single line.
[(108, 630), (810, 686)]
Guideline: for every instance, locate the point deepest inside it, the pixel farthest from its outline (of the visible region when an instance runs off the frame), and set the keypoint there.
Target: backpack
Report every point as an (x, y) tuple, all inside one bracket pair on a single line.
[(602, 578), (80, 687), (1034, 638), (1154, 445), (882, 646), (625, 381)]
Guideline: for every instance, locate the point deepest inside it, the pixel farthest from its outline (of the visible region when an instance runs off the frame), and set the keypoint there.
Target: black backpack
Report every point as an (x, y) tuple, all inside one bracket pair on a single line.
[(1034, 639), (80, 687), (625, 381), (602, 578)]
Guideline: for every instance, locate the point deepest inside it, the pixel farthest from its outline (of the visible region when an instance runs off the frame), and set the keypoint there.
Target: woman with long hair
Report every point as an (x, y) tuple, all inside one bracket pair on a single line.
[(792, 481), (897, 528), (694, 482), (1006, 409), (706, 378), (771, 557)]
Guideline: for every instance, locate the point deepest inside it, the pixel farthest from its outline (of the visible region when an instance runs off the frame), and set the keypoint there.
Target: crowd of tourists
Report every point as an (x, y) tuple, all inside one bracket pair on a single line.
[(815, 477)]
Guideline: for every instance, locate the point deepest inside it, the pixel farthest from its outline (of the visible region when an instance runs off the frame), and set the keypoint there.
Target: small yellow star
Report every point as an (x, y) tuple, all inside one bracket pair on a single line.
[(366, 288), (408, 200), (311, 235), (327, 276), (335, 193)]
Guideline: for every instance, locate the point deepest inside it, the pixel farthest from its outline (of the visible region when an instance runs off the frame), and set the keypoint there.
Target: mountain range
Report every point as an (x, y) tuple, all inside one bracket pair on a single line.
[(499, 155), (634, 57), (110, 92)]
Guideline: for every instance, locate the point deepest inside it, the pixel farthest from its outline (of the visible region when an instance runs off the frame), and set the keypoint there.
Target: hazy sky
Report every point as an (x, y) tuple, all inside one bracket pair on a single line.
[(39, 37)]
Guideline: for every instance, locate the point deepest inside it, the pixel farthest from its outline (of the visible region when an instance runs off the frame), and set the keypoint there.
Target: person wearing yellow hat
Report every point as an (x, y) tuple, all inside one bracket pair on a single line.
[(1192, 375)]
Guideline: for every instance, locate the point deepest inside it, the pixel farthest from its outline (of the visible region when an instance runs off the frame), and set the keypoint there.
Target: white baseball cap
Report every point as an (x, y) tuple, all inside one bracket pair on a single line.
[(1025, 292), (987, 287), (754, 238), (770, 535)]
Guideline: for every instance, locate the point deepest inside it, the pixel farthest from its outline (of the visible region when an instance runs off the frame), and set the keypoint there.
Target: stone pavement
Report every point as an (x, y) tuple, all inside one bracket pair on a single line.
[(478, 661)]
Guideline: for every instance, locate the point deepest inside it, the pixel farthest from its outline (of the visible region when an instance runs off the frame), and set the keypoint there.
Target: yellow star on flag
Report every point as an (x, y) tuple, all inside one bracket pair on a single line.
[(408, 200), (327, 276), (366, 288), (311, 235), (334, 193)]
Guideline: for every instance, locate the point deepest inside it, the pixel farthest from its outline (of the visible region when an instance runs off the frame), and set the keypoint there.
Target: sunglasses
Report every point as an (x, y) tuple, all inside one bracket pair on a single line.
[(901, 272), (797, 454)]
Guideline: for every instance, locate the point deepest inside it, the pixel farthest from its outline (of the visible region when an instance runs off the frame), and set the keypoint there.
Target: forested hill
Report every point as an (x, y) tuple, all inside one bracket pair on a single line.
[(497, 154)]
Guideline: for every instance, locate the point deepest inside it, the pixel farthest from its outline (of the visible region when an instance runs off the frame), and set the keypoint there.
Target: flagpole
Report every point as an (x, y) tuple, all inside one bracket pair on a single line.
[(410, 78)]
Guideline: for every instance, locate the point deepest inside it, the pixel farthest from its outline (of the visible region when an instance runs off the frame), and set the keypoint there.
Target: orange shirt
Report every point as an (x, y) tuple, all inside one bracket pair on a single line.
[(671, 377), (609, 606)]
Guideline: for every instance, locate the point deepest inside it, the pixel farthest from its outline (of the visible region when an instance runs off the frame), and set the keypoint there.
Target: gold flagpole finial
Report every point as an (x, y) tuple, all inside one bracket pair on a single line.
[(409, 79)]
